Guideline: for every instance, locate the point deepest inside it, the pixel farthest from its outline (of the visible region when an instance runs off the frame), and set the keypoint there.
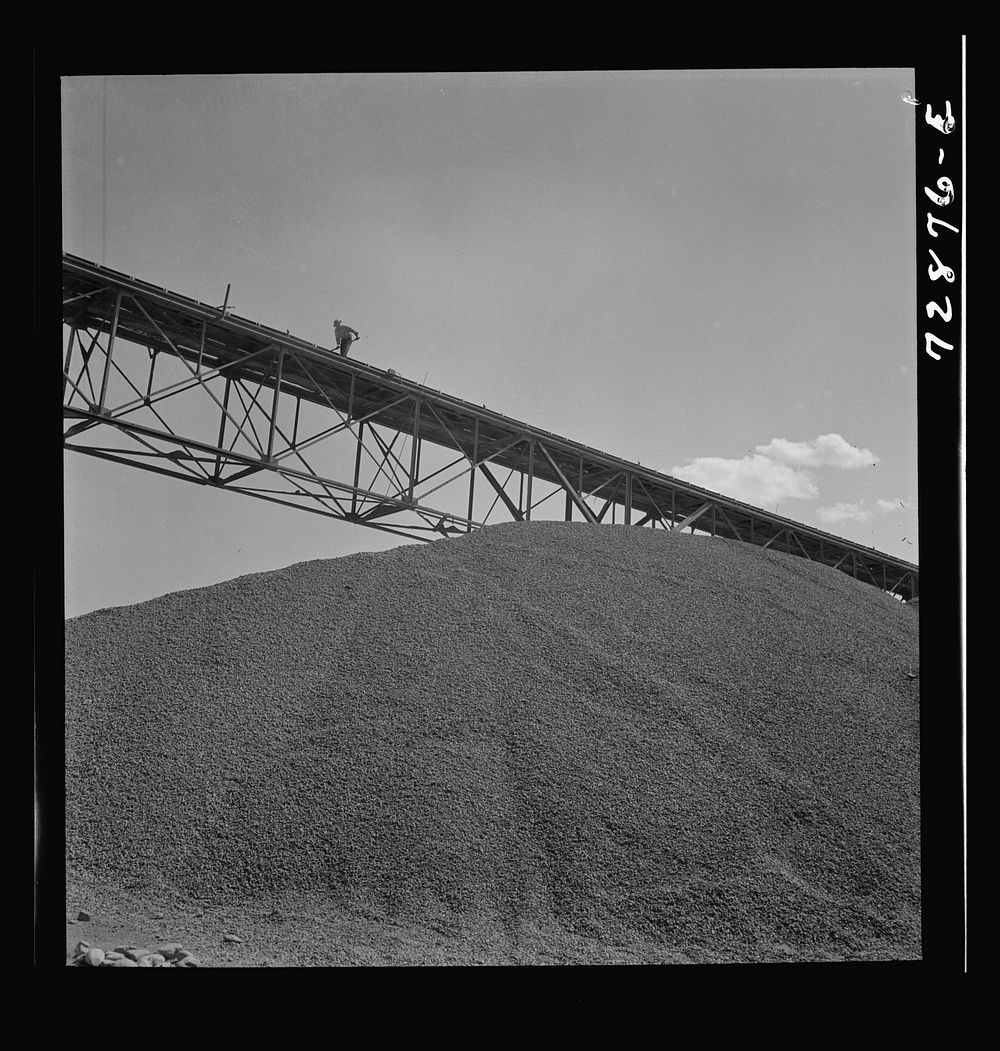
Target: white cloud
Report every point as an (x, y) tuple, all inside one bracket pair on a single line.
[(753, 479), (775, 472), (844, 512), (886, 507), (828, 450)]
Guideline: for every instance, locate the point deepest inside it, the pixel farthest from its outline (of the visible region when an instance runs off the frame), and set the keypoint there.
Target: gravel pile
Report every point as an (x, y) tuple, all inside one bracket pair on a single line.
[(544, 734)]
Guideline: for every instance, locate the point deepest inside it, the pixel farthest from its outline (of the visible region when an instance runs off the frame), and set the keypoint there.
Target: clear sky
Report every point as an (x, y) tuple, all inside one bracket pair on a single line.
[(711, 273)]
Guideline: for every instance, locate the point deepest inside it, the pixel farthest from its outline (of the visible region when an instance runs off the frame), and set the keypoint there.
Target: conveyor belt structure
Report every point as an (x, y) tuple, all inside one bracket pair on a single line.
[(165, 383)]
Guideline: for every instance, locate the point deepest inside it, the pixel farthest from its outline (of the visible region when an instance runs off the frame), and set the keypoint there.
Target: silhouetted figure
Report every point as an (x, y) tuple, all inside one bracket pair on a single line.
[(345, 336)]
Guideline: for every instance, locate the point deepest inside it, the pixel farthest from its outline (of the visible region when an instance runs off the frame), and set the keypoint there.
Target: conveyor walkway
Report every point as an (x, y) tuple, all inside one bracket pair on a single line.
[(165, 383)]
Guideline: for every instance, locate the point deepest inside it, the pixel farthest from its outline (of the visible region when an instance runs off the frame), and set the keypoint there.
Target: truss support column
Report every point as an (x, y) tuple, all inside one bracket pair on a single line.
[(570, 494), (69, 358), (501, 492), (357, 468), (414, 447), (628, 497), (222, 427), (777, 536), (691, 518), (111, 347), (531, 476), (149, 378), (472, 475), (274, 405)]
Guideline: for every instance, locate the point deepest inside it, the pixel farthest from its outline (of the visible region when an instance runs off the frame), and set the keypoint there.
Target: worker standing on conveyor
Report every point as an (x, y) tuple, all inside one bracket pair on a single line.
[(345, 336)]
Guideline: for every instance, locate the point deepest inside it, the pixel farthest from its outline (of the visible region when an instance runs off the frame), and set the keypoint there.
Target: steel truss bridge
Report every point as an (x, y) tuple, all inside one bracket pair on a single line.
[(158, 381)]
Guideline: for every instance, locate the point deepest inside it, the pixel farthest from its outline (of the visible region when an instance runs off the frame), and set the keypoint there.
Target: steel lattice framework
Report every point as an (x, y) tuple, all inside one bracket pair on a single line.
[(165, 383)]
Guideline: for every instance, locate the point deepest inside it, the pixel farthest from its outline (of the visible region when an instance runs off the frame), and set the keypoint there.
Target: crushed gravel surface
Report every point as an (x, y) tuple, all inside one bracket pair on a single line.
[(538, 743)]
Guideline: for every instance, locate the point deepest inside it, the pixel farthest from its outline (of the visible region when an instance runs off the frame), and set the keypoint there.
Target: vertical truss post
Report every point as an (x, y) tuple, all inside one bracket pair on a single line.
[(531, 475), (274, 405), (111, 347), (152, 369), (413, 448), (357, 467), (201, 345), (222, 426), (571, 497), (628, 497), (713, 519), (472, 474), (502, 493), (69, 358)]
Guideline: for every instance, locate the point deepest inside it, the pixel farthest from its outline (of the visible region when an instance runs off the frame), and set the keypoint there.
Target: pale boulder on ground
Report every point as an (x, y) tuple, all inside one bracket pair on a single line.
[(170, 955)]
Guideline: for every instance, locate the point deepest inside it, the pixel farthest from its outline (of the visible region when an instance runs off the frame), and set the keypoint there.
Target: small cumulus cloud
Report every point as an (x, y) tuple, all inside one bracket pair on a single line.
[(776, 472), (754, 479), (886, 507), (828, 450), (848, 512), (844, 512)]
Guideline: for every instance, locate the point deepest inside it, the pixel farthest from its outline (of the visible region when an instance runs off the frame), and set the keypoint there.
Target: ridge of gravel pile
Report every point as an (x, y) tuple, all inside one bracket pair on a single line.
[(637, 744)]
